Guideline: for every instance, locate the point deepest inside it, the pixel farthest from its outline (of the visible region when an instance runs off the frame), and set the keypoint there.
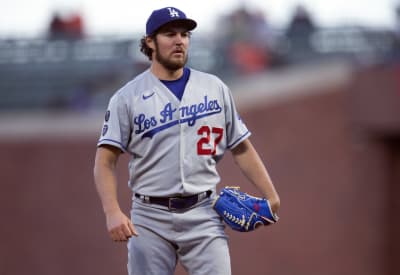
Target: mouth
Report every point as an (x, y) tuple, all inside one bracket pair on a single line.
[(178, 51)]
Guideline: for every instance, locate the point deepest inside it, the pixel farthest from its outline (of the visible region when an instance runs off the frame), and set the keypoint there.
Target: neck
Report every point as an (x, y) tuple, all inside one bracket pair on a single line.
[(164, 74)]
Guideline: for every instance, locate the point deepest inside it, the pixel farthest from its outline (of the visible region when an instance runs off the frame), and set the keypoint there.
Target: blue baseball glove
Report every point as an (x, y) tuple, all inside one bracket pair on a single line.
[(241, 211)]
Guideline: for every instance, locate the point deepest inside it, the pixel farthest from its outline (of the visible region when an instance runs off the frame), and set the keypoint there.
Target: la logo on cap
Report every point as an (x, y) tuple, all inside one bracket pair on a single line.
[(159, 18), (173, 12)]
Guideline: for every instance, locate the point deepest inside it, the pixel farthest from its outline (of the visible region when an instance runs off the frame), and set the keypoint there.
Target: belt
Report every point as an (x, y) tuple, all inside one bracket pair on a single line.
[(176, 203)]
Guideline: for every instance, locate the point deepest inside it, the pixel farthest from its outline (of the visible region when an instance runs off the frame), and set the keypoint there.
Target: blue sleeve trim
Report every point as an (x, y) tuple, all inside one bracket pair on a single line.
[(236, 142), (112, 142)]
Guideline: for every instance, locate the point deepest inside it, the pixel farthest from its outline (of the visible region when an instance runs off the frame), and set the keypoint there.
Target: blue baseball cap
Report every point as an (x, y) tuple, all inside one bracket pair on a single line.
[(159, 18)]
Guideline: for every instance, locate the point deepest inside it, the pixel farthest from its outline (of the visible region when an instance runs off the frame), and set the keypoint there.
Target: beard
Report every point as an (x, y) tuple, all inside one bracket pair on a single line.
[(169, 63)]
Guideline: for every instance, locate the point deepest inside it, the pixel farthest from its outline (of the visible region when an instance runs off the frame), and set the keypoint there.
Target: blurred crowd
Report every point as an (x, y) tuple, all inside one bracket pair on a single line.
[(246, 42), (251, 44), (72, 70)]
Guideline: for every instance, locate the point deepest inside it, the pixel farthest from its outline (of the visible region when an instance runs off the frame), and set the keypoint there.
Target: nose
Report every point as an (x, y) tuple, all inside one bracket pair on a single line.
[(178, 39)]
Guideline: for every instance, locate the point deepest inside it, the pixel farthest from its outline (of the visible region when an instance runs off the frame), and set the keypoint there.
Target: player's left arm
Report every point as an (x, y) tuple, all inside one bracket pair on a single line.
[(250, 163)]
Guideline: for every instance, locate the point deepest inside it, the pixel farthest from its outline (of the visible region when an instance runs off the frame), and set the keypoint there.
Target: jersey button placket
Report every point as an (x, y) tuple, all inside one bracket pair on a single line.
[(181, 148)]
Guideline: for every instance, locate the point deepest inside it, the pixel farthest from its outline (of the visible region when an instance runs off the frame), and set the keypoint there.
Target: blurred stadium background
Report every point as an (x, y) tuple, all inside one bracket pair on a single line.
[(323, 104)]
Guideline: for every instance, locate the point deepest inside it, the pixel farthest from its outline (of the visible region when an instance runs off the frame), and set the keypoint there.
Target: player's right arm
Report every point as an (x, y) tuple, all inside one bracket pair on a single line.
[(119, 225)]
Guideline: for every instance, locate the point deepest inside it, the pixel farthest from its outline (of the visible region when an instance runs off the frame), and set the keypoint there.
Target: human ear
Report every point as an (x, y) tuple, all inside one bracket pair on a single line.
[(150, 42)]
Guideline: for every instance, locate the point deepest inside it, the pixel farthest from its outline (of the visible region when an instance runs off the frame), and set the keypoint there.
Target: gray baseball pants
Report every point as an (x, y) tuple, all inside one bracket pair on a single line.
[(195, 237)]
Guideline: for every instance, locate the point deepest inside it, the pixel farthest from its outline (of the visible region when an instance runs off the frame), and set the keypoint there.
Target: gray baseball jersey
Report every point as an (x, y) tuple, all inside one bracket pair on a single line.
[(175, 145)]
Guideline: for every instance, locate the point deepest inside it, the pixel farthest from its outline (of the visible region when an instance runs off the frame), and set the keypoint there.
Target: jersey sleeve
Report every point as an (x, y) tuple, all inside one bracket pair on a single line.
[(116, 127), (236, 129)]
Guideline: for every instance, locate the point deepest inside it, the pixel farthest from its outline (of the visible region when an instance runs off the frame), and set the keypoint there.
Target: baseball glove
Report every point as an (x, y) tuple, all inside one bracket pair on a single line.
[(241, 211)]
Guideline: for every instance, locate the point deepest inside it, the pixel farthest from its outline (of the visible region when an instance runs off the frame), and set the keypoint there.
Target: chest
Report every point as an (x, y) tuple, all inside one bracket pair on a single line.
[(158, 110)]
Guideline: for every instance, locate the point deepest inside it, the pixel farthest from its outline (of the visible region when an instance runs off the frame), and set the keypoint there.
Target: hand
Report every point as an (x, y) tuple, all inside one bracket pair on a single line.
[(120, 226)]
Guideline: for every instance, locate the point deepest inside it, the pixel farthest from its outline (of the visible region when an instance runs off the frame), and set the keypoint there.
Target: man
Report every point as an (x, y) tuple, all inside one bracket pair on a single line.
[(176, 123)]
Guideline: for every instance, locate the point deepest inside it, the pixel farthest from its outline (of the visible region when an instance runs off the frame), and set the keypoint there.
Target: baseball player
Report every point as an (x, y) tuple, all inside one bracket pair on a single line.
[(176, 123)]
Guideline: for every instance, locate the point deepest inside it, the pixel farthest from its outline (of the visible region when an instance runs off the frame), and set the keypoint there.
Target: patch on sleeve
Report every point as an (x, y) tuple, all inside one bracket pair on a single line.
[(107, 116), (105, 129)]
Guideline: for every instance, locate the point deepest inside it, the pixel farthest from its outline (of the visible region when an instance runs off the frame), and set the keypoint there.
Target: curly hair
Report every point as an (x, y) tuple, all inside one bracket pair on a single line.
[(145, 49)]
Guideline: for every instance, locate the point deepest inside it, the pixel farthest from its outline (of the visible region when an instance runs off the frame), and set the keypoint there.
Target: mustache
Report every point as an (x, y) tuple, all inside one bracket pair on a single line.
[(179, 50)]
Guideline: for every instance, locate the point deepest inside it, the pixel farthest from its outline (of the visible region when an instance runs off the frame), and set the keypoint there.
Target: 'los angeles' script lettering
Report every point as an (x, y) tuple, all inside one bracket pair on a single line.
[(144, 123), (188, 113)]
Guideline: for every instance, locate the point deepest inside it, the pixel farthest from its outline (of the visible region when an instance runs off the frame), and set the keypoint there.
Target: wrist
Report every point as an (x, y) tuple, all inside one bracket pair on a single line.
[(274, 204), (111, 210)]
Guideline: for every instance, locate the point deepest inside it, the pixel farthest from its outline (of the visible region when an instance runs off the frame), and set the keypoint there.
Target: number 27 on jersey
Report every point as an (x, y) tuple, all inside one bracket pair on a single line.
[(209, 139)]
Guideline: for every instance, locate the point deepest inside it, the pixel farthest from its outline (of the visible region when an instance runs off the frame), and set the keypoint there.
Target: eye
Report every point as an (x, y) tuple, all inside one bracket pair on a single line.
[(171, 34), (186, 34)]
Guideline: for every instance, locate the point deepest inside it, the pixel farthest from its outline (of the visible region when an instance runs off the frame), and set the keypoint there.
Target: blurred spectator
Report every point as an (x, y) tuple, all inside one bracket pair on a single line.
[(245, 41), (262, 31), (56, 28), (66, 27), (74, 26), (299, 32), (248, 57)]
